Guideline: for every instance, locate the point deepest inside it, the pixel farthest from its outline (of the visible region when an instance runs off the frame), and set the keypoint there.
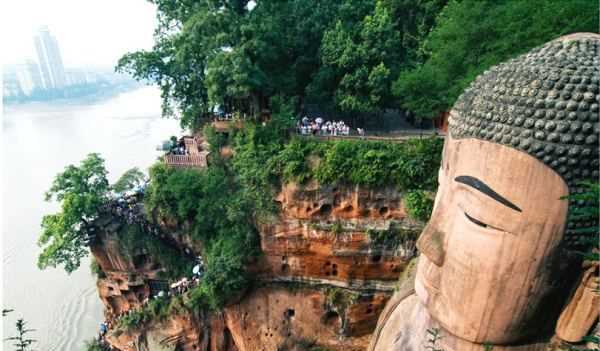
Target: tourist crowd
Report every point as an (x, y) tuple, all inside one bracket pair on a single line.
[(175, 289), (179, 150), (127, 208), (317, 126), (177, 147)]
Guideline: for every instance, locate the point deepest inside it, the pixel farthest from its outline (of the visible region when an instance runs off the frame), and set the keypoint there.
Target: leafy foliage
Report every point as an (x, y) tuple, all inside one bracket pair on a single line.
[(470, 36), (93, 345), (340, 299), (409, 165), (214, 139), (362, 55), (391, 237), (254, 149), (433, 336), (345, 55), (590, 339), (588, 212), (157, 309), (219, 216), (81, 191), (335, 53), (96, 269), (21, 340), (225, 277), (419, 204), (129, 180)]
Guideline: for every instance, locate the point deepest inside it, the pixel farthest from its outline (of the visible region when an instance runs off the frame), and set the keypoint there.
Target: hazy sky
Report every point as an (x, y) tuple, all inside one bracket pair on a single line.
[(89, 32)]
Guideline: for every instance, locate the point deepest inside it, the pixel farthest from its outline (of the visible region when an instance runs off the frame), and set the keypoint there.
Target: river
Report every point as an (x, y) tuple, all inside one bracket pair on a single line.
[(38, 141)]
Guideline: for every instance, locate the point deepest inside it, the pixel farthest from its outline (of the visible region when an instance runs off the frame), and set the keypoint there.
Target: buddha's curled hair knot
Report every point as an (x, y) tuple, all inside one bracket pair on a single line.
[(544, 103)]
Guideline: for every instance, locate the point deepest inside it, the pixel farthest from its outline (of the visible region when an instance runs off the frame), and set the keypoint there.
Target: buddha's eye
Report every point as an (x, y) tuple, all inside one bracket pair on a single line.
[(483, 225), (476, 221)]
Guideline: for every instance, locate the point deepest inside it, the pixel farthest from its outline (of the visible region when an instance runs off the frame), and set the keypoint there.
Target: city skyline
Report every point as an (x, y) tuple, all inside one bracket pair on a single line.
[(91, 33), (48, 74)]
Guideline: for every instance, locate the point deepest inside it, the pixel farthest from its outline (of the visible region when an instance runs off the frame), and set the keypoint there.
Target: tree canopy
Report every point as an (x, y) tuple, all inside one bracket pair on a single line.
[(342, 54), (472, 35), (81, 191), (356, 57), (131, 179)]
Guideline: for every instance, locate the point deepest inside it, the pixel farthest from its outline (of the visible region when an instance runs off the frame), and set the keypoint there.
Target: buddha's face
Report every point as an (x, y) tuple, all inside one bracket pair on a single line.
[(490, 253)]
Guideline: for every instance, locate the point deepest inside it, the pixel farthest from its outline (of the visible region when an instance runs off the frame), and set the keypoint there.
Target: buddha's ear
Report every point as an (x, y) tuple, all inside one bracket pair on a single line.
[(579, 315)]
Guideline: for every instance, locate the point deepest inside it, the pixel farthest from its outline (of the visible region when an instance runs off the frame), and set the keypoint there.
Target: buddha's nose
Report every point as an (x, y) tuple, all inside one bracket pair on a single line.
[(431, 243)]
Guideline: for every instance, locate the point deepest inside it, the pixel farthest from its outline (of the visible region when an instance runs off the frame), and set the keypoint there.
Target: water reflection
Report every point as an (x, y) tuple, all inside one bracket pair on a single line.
[(39, 140)]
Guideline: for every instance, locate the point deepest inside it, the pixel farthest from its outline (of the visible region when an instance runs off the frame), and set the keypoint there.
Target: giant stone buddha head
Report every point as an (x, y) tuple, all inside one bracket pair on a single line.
[(495, 259)]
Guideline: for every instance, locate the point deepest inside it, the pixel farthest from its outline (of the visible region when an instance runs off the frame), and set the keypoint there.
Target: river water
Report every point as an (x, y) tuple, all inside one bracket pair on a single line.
[(38, 141)]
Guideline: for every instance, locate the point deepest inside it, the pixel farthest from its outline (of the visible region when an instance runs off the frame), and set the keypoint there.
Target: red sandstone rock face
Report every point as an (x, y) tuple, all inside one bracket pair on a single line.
[(340, 202), (275, 318), (321, 235), (269, 318), (318, 242), (181, 332), (297, 250)]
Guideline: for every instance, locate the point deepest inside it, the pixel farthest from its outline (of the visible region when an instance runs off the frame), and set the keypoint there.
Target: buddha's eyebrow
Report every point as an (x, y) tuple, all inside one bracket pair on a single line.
[(484, 188)]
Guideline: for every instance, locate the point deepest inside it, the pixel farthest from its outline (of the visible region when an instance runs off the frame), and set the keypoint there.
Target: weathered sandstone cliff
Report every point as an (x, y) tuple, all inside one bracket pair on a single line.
[(331, 260)]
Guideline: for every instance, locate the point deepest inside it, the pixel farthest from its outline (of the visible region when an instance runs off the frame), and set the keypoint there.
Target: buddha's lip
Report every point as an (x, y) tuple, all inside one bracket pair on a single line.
[(423, 275)]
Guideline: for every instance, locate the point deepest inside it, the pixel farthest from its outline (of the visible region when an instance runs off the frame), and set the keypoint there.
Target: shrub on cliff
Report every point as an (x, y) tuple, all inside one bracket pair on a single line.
[(191, 196), (412, 164), (226, 277), (418, 204), (96, 269), (93, 345), (255, 147)]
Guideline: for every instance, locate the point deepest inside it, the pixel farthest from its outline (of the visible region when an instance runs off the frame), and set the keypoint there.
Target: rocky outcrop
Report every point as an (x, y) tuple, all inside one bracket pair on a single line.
[(181, 331), (322, 236), (330, 262)]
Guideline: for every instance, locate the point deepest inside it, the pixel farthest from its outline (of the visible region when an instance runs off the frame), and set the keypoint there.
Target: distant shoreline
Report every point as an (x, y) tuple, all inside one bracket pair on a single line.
[(100, 94)]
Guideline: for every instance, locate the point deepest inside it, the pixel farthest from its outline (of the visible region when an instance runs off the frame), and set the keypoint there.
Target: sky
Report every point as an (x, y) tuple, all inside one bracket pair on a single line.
[(89, 32)]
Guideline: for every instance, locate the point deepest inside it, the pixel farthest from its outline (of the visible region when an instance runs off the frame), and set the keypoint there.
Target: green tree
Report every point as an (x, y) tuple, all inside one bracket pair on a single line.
[(226, 275), (470, 36), (363, 56), (21, 340), (213, 52), (93, 345), (366, 48), (81, 191), (129, 180)]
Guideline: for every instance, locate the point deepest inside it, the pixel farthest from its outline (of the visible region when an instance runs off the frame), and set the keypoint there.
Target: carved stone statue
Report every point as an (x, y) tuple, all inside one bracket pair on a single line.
[(496, 265)]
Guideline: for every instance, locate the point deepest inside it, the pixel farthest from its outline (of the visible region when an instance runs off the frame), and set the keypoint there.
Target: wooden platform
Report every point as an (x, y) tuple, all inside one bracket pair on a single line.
[(196, 158)]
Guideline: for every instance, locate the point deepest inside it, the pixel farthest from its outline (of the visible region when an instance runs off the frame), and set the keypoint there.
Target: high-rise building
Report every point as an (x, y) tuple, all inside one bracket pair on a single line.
[(51, 65), (10, 84), (28, 75)]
